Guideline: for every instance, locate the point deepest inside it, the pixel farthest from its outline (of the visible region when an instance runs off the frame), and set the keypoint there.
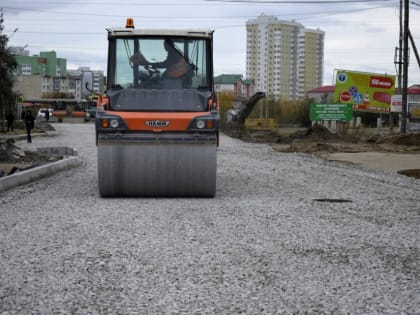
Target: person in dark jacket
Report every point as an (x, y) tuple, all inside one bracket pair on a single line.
[(29, 124), (10, 118), (175, 63)]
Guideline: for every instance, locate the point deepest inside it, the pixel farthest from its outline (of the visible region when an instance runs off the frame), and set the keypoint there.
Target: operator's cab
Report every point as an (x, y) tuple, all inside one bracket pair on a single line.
[(144, 64)]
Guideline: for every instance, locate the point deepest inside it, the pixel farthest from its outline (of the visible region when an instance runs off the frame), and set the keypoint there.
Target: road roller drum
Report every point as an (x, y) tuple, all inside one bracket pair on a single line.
[(177, 169)]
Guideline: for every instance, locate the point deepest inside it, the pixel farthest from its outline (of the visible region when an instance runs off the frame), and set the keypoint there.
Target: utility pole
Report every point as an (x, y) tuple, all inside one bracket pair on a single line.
[(400, 46), (398, 60), (405, 68)]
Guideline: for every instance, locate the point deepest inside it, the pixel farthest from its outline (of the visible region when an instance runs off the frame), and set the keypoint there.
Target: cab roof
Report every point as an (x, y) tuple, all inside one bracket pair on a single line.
[(130, 32)]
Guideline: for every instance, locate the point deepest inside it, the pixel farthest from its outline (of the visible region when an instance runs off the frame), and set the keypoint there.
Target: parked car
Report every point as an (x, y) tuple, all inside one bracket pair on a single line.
[(92, 111), (42, 113)]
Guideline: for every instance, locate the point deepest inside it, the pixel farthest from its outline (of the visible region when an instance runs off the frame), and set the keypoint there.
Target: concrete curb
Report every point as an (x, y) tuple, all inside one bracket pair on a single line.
[(36, 173)]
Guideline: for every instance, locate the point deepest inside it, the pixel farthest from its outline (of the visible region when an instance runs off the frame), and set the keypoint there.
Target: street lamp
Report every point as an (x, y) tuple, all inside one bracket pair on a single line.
[(13, 33)]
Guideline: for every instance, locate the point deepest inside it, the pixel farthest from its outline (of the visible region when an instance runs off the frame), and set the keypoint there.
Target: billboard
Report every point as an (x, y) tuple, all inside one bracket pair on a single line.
[(365, 91), (396, 103), (414, 116)]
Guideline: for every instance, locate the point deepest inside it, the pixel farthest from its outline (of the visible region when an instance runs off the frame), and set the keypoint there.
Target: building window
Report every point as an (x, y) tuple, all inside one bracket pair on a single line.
[(26, 69)]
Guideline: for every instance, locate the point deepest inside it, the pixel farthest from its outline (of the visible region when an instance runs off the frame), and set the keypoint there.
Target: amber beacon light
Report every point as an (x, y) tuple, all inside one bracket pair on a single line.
[(129, 23)]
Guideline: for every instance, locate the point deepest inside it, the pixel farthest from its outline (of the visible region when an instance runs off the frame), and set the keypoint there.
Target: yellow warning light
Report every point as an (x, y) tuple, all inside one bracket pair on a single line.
[(105, 123), (129, 23)]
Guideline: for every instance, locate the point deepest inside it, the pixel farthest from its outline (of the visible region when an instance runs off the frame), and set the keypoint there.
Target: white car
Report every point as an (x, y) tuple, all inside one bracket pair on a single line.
[(41, 113)]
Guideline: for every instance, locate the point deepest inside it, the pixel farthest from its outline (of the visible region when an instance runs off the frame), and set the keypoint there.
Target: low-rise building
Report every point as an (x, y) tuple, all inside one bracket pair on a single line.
[(46, 76), (234, 83), (322, 94)]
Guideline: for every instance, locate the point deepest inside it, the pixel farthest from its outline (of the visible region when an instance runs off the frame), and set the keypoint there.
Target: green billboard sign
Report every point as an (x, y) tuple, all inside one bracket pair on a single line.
[(331, 112)]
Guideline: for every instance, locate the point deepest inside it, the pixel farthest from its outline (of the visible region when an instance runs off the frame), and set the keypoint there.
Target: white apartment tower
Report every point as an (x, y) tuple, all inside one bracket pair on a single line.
[(284, 58)]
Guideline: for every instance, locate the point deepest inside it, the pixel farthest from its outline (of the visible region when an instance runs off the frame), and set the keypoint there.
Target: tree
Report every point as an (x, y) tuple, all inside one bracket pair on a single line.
[(226, 99), (7, 65)]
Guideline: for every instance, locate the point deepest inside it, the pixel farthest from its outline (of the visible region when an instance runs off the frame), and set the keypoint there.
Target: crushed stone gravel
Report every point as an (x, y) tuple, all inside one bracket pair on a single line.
[(274, 240)]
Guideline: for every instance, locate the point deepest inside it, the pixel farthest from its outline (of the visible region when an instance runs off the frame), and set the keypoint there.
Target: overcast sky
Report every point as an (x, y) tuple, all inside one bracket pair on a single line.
[(359, 35)]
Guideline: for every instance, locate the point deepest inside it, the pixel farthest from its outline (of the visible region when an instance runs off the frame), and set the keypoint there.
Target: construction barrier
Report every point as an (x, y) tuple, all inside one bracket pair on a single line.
[(261, 124), (60, 113), (78, 114)]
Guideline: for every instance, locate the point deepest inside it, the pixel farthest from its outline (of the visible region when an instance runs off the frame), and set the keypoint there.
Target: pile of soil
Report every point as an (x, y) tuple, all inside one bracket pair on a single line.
[(405, 139), (319, 133), (318, 139), (44, 126), (314, 133), (13, 159)]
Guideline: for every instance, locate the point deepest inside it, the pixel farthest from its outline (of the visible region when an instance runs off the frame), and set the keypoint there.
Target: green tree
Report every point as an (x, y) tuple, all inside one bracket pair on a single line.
[(226, 99), (7, 65)]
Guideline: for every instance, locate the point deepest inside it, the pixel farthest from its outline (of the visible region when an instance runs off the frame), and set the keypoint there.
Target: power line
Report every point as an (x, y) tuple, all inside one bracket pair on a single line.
[(299, 1), (119, 4), (319, 13), (61, 33), (112, 3)]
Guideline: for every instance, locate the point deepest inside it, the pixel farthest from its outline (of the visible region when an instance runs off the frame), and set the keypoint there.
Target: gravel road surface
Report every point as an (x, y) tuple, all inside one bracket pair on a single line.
[(286, 234)]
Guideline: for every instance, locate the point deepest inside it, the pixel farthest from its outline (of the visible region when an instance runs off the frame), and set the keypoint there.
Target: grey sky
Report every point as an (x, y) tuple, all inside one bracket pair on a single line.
[(358, 36)]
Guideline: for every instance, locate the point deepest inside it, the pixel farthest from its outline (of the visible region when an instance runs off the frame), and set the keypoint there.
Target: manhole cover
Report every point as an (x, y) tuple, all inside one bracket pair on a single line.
[(332, 200), (410, 173)]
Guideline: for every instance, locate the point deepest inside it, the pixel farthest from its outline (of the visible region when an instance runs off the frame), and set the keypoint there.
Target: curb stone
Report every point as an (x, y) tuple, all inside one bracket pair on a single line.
[(36, 173)]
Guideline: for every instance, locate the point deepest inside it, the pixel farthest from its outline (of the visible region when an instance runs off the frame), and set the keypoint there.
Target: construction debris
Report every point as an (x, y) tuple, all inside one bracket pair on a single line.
[(13, 159)]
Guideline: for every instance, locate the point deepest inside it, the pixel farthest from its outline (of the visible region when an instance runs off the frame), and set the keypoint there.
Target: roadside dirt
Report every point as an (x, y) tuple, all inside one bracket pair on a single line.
[(393, 152), (13, 159), (319, 140)]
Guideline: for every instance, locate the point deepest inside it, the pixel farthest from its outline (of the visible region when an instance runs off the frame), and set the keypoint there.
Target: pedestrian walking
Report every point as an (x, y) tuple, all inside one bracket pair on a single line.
[(10, 119), (47, 115), (30, 124)]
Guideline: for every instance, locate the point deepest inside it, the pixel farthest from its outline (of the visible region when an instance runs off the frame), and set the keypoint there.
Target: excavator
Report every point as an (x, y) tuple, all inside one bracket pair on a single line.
[(236, 116), (157, 126)]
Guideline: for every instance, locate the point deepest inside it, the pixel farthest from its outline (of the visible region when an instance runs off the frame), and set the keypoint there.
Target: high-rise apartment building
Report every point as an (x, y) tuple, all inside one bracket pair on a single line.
[(285, 59)]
